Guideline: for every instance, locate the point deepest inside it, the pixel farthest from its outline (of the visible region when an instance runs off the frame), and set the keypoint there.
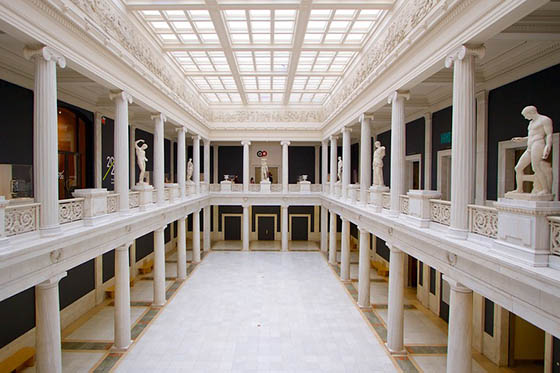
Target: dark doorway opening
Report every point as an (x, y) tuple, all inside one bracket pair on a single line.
[(412, 272), (266, 228), (300, 230), (232, 228)]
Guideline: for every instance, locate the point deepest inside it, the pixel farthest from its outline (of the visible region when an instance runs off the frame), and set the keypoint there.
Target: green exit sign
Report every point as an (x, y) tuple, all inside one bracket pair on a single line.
[(445, 138)]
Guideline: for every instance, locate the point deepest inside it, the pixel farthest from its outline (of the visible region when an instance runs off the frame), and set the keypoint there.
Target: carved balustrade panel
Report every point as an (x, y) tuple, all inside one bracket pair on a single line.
[(554, 234), (21, 218), (112, 202), (387, 201), (133, 199), (404, 204), (70, 210), (483, 220), (440, 211)]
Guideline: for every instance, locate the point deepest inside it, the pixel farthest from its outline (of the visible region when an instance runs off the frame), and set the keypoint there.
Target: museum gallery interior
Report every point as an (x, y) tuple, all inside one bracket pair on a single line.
[(280, 186)]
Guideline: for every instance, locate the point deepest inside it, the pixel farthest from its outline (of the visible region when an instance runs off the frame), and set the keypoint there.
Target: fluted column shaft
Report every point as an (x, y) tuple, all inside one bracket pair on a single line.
[(345, 251), (122, 298), (428, 151), (132, 156), (365, 158), (324, 163), (398, 149), (245, 165), (395, 336), (285, 166), (463, 137), (47, 326), (196, 236), (346, 158), (363, 269), (97, 150), (334, 162), (206, 233), (324, 228), (332, 239), (159, 157), (245, 227), (284, 228), (181, 161), (181, 249), (459, 353), (207, 163), (159, 267), (196, 161), (45, 136)]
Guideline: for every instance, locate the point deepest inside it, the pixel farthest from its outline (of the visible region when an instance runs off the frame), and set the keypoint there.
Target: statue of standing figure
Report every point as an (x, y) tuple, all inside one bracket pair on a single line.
[(339, 172), (539, 145), (190, 170), (264, 170), (141, 159), (378, 156)]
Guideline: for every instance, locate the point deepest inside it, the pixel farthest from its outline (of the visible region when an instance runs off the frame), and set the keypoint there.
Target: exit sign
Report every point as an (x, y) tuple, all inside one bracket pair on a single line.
[(445, 138)]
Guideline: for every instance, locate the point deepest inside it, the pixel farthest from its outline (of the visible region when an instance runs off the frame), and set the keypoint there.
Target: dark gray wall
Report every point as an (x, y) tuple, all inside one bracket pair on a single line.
[(230, 162), (301, 160), (441, 123)]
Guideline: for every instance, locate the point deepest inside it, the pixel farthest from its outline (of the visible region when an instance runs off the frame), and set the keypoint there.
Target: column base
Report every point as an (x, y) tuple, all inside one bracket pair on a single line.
[(50, 231), (122, 349), (365, 308), (402, 352), (458, 234)]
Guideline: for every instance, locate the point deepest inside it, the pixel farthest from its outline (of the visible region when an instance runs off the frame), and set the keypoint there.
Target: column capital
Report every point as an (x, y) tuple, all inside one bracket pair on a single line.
[(196, 137), (394, 249), (366, 116), (463, 51), (161, 229), (362, 230), (398, 94), (206, 141), (158, 116), (124, 247), (132, 125), (53, 281), (45, 53), (345, 129), (333, 137), (482, 95), (284, 143), (181, 129), (428, 116), (456, 285), (245, 142), (120, 95), (325, 142)]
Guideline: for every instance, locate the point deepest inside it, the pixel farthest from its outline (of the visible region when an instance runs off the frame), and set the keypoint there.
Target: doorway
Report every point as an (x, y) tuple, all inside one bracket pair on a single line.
[(412, 272), (444, 300), (232, 228), (413, 174), (526, 344), (555, 355), (300, 228), (71, 153), (265, 228), (444, 174)]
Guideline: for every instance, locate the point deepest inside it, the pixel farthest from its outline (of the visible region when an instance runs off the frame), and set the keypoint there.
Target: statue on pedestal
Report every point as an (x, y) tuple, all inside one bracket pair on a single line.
[(339, 172), (539, 145), (190, 169), (378, 156), (264, 170), (141, 159)]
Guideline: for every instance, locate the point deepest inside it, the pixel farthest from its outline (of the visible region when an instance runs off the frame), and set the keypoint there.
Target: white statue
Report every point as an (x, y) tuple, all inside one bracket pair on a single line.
[(190, 169), (378, 156), (539, 145), (141, 159), (264, 170), (339, 172)]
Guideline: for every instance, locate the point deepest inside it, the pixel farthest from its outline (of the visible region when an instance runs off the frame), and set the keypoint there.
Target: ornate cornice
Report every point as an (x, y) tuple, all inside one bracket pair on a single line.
[(237, 116)]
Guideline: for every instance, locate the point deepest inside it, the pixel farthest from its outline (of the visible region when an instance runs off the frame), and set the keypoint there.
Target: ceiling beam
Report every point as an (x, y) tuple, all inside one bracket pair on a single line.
[(262, 73), (216, 17), (253, 4), (299, 34), (257, 47), (265, 91)]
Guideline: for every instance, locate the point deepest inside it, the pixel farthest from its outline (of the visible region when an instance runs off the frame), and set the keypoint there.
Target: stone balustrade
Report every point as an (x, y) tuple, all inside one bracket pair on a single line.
[(483, 220), (403, 204), (554, 222), (440, 211), (21, 218), (70, 210), (386, 201)]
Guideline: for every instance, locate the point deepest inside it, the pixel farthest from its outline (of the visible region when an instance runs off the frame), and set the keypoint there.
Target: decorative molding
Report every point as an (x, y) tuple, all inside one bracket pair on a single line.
[(281, 116)]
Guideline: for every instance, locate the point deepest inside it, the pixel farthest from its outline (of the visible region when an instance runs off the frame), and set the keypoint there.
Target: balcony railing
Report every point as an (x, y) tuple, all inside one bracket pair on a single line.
[(112, 202), (70, 210), (133, 199), (440, 211), (276, 188), (316, 187), (254, 187), (554, 234), (387, 200), (404, 204), (215, 187), (237, 187), (483, 220), (21, 218)]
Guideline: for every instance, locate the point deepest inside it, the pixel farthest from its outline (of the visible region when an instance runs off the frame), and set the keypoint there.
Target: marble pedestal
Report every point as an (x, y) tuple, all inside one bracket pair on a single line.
[(523, 230), (173, 191), (376, 196), (265, 186), (304, 186), (225, 186), (419, 212), (189, 188), (337, 189), (146, 194), (95, 204)]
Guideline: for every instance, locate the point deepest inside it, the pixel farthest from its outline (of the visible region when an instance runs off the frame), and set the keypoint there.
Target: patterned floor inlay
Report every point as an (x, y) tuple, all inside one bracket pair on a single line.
[(89, 346), (143, 322), (405, 364), (426, 350), (109, 362), (385, 306)]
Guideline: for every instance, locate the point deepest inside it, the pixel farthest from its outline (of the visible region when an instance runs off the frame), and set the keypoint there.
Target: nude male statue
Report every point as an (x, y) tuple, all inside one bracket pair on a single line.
[(190, 169), (339, 171), (141, 159), (539, 145), (264, 170), (378, 156)]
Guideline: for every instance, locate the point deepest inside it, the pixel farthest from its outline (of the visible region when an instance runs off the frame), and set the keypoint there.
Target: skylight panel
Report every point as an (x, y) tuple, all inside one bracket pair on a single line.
[(344, 14), (339, 25), (160, 26), (175, 14), (279, 83), (320, 14), (235, 97), (234, 14), (168, 38), (265, 97), (260, 26), (204, 26), (261, 38), (362, 26), (206, 68), (224, 97), (201, 83), (369, 14), (312, 38), (337, 68), (355, 38), (327, 83), (182, 26), (240, 38), (295, 97), (151, 13), (333, 38), (283, 38), (259, 13), (197, 15), (237, 26), (209, 38), (320, 68), (211, 97), (306, 97), (253, 97), (285, 14), (228, 82), (316, 26), (249, 82), (277, 97), (318, 98), (284, 26), (189, 38), (246, 68), (264, 82)]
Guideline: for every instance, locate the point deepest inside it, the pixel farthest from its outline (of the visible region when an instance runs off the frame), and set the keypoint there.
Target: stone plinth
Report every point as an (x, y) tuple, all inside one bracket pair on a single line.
[(173, 191), (353, 192), (304, 186), (95, 203), (265, 186), (146, 194), (376, 196), (523, 230), (190, 187), (337, 189), (419, 206), (225, 186)]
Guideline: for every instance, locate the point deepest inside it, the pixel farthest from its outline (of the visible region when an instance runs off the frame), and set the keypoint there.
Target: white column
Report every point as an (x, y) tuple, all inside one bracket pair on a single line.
[(159, 267), (196, 161), (363, 270), (245, 144), (462, 137), (317, 165), (181, 160), (345, 251), (365, 157), (332, 238), (181, 249), (285, 166), (284, 228), (334, 177), (245, 224), (122, 298), (428, 151), (324, 228), (97, 149), (459, 353), (216, 176), (481, 147), (206, 233), (132, 156), (121, 176), (324, 163), (47, 326), (99, 291), (207, 164), (398, 149), (171, 162), (395, 325), (45, 136), (196, 236), (346, 158), (159, 158)]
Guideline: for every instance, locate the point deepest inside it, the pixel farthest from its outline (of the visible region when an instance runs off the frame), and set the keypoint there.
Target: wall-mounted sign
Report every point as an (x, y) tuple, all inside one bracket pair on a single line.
[(262, 153), (445, 138)]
